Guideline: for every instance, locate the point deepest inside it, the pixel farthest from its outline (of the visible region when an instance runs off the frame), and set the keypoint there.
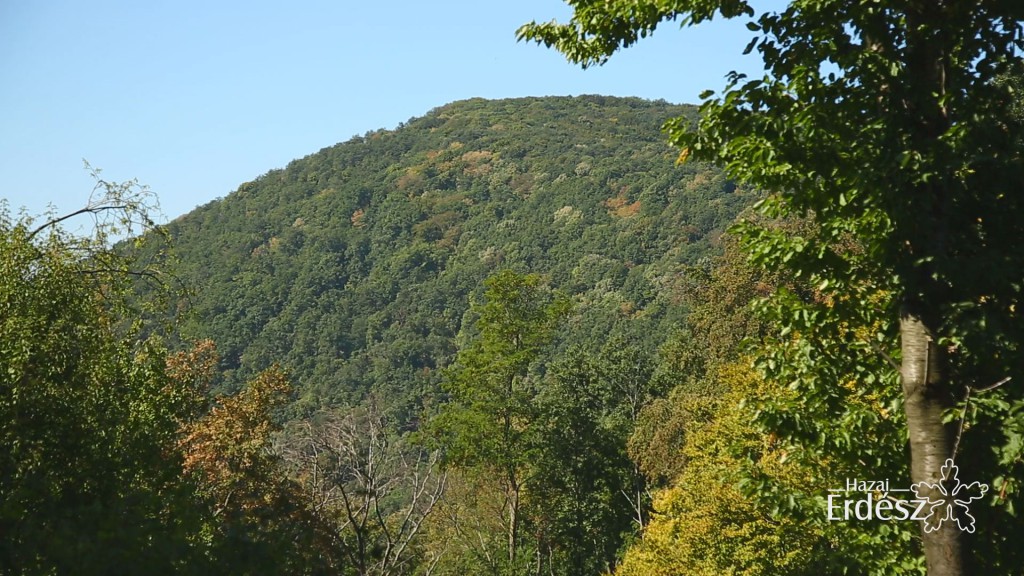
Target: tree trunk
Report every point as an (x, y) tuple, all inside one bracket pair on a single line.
[(513, 523), (512, 478), (926, 397)]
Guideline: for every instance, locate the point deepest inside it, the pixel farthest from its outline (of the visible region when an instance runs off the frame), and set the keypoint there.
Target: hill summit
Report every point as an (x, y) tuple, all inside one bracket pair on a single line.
[(354, 267)]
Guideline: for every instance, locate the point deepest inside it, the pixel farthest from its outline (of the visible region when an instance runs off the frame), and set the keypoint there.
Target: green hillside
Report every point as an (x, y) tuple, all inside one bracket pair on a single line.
[(354, 267)]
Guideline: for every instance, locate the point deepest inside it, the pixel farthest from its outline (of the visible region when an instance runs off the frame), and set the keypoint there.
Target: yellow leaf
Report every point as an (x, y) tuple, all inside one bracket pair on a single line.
[(683, 155)]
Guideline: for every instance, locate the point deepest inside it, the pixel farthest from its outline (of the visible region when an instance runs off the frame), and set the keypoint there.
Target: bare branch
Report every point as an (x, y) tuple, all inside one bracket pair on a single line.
[(963, 413), (364, 479), (79, 212)]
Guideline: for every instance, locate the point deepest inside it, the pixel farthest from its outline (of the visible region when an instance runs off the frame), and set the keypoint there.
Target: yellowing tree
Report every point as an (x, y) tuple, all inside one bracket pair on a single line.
[(704, 524)]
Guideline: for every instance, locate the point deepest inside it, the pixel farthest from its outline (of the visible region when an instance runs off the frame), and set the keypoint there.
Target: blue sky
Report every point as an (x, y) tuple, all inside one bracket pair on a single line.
[(194, 98)]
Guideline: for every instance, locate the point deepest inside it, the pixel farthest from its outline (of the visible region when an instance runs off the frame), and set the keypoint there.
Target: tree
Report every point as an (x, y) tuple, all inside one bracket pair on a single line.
[(113, 460), (374, 488), (585, 494), (887, 123), (702, 522), (488, 425), (90, 482), (257, 520), (626, 385), (228, 447)]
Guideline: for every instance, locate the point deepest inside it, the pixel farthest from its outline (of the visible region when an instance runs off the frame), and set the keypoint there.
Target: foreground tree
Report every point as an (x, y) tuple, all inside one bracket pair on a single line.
[(256, 517), (89, 479), (490, 424), (113, 460), (702, 523), (890, 125), (585, 497)]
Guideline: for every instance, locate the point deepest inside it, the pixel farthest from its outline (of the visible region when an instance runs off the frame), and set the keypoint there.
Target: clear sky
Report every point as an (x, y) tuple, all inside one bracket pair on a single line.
[(195, 97)]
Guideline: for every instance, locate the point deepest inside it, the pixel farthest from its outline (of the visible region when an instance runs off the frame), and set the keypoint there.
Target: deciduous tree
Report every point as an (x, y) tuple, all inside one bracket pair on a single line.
[(490, 421), (372, 487), (887, 123), (90, 482)]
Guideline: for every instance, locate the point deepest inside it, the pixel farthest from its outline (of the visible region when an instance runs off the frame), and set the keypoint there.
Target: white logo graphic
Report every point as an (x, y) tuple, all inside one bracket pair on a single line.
[(946, 500), (945, 497)]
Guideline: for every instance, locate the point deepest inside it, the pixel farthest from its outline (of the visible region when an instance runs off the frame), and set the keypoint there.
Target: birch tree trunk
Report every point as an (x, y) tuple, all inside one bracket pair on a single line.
[(925, 399)]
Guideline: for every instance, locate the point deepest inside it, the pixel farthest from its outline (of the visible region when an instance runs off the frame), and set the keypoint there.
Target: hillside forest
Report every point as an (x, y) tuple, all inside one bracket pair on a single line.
[(509, 337)]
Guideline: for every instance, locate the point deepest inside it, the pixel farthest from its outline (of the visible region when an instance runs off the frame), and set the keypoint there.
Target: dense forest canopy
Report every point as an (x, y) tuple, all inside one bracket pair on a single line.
[(354, 267)]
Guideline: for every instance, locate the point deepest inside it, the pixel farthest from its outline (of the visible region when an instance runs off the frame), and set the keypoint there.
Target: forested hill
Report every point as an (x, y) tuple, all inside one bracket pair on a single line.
[(354, 267)]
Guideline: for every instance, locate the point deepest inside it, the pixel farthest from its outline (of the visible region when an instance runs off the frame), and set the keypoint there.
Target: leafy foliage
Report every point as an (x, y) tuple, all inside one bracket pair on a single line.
[(539, 449), (586, 498), (490, 424), (354, 267), (703, 523), (892, 126), (88, 418), (258, 519), (114, 460)]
